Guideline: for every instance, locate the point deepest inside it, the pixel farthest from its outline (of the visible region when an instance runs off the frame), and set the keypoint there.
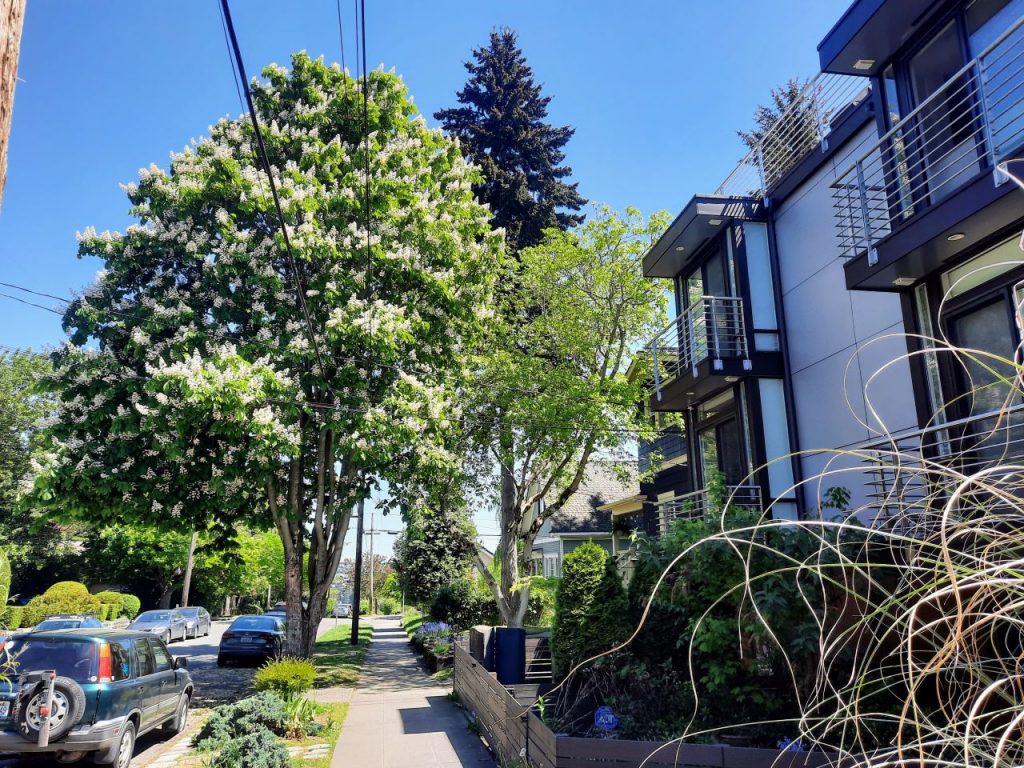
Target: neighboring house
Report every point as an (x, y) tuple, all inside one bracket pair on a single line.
[(584, 517), (807, 276)]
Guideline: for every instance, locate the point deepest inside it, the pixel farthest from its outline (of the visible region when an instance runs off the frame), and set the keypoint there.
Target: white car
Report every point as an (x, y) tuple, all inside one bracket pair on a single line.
[(342, 610)]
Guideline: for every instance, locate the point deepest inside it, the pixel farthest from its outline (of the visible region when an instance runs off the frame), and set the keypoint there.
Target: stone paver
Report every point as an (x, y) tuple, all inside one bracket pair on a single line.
[(399, 717)]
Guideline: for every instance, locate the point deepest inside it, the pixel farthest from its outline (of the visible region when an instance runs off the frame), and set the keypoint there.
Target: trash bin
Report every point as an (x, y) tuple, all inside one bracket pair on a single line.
[(510, 655)]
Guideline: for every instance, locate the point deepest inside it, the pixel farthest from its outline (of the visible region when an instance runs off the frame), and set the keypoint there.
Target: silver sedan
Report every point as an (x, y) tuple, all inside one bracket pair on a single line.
[(167, 625), (197, 621)]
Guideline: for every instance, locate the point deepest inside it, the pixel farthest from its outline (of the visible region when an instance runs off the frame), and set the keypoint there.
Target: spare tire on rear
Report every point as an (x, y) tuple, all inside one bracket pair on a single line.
[(67, 708)]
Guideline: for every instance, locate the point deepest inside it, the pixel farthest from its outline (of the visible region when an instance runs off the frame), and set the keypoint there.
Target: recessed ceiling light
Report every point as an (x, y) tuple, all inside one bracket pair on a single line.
[(956, 236), (680, 248), (691, 393), (863, 64), (714, 222)]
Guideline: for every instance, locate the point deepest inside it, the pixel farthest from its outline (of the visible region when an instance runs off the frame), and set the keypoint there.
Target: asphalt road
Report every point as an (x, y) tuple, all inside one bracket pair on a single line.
[(213, 685)]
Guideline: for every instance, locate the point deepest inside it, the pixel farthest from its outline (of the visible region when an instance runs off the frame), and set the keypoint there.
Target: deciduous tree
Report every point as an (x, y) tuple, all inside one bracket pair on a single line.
[(214, 377)]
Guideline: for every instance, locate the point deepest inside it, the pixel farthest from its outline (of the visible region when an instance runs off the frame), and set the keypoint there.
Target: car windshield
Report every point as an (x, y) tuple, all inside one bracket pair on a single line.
[(59, 624), (255, 622), (66, 656), (151, 617)]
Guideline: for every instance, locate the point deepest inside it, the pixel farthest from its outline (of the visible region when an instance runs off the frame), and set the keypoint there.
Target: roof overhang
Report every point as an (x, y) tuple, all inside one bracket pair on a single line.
[(627, 506), (869, 34), (700, 221), (583, 535)]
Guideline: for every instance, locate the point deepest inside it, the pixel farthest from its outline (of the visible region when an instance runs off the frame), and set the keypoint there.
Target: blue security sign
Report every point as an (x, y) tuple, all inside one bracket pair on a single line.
[(605, 719)]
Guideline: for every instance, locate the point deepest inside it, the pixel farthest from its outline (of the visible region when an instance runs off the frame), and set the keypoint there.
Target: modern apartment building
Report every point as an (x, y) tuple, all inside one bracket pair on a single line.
[(868, 219)]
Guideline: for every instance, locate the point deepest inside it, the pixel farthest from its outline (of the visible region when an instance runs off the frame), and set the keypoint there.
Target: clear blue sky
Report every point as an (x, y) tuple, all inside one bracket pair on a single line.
[(656, 90)]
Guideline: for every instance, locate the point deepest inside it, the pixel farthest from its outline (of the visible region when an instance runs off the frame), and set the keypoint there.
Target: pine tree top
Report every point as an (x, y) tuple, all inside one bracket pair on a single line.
[(502, 127)]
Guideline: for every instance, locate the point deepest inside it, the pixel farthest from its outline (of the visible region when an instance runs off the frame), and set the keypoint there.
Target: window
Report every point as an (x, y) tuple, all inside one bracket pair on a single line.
[(120, 664), (143, 659), (161, 658)]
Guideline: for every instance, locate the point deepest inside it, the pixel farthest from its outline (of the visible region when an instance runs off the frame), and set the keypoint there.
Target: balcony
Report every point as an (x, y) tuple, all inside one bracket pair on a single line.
[(701, 351), (912, 475), (697, 504), (950, 143)]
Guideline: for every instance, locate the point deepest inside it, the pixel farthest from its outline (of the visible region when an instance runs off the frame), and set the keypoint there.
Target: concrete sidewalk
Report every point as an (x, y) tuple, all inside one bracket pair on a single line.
[(400, 717)]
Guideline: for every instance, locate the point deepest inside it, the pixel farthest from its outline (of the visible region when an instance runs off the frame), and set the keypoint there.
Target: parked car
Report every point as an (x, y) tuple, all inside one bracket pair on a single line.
[(167, 625), (252, 637), (197, 621), (342, 610), (112, 686), (67, 621)]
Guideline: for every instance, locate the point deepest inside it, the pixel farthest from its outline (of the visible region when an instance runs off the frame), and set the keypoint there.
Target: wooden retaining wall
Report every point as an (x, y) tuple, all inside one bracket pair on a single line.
[(512, 732)]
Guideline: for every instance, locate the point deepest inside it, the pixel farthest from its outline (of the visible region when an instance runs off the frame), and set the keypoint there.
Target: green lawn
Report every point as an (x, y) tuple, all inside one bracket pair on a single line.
[(335, 718), (338, 661), (411, 620)]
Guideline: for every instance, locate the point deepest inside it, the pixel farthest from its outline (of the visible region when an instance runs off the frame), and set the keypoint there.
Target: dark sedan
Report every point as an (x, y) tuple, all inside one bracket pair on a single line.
[(252, 637)]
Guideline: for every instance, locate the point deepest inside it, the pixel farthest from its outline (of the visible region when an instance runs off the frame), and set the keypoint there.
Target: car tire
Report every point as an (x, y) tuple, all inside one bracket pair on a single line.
[(120, 756), (166, 637), (177, 723), (221, 661), (68, 708)]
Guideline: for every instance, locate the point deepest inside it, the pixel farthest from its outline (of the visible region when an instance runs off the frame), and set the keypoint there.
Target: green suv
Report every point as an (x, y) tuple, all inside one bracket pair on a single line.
[(109, 687)]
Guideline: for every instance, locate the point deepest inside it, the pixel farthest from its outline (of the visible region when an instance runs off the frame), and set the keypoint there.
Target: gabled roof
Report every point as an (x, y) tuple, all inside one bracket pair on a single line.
[(601, 486)]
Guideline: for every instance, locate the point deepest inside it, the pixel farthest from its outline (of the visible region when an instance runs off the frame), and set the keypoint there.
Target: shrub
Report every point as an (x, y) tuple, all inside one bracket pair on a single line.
[(287, 678), (387, 606), (590, 607), (115, 612), (364, 607), (12, 616), (264, 711), (462, 606), (5, 578), (130, 606), (62, 597), (258, 749), (540, 608), (103, 613)]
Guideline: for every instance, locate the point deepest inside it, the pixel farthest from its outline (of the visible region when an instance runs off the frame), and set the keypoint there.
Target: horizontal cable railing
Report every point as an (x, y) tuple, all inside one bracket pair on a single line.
[(968, 125), (711, 328), (695, 505), (804, 125), (912, 474)]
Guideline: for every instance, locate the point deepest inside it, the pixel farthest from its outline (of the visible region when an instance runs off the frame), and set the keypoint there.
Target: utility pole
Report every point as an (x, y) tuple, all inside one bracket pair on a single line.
[(357, 575), (188, 570), (373, 602)]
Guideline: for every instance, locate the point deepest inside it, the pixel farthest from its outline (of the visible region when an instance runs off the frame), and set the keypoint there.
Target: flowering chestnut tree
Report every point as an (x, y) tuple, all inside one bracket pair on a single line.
[(193, 391)]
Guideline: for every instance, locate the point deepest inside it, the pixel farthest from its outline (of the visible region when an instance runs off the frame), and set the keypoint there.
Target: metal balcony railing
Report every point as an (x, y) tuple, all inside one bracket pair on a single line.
[(803, 126), (711, 328), (695, 505), (912, 474), (972, 122)]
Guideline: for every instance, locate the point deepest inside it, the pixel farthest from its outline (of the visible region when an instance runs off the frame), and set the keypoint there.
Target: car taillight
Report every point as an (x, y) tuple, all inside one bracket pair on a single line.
[(106, 670), (227, 636)]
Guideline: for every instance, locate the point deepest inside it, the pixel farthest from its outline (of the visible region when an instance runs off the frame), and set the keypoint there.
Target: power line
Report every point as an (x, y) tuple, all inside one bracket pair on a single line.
[(265, 158)]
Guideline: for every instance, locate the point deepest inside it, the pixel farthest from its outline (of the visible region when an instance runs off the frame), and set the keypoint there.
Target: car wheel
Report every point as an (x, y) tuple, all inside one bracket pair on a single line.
[(221, 661), (68, 708), (180, 720), (166, 637), (121, 755)]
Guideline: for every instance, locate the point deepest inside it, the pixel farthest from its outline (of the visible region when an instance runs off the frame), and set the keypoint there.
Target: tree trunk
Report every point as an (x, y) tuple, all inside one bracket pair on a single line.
[(511, 616), (295, 641), (166, 592)]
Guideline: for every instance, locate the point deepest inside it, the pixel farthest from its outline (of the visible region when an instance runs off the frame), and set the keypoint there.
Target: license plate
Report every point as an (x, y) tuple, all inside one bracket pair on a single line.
[(248, 639), (5, 708)]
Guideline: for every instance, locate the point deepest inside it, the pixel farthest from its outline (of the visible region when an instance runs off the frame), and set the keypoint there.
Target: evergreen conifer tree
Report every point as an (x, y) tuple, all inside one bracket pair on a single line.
[(501, 125)]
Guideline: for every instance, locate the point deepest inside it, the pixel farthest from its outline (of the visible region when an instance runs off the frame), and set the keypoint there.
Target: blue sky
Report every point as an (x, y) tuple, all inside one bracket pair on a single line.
[(655, 89)]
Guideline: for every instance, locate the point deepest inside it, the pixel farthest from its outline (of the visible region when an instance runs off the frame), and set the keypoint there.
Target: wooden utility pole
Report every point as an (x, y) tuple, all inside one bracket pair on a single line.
[(12, 19), (188, 571), (357, 576)]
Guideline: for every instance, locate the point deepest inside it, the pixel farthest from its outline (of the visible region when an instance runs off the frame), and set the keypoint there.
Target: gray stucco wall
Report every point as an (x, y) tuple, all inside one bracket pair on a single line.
[(839, 340)]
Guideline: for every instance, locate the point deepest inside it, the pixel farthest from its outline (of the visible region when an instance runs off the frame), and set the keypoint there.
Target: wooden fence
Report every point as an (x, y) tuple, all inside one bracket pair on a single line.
[(516, 733)]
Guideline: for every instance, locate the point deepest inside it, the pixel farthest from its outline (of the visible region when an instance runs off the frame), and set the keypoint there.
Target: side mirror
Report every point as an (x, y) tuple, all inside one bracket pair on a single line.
[(181, 662)]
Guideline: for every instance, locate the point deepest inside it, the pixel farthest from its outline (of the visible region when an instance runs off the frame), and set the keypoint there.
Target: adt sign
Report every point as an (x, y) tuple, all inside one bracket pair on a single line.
[(605, 719)]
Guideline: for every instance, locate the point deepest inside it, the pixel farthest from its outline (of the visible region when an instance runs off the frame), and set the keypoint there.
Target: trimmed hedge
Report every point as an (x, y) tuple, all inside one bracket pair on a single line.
[(62, 597), (462, 606), (120, 604), (12, 617), (5, 578), (590, 607)]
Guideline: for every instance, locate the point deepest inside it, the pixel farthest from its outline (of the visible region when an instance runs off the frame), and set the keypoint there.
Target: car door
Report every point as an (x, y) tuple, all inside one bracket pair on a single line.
[(167, 681), (179, 625), (147, 685)]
